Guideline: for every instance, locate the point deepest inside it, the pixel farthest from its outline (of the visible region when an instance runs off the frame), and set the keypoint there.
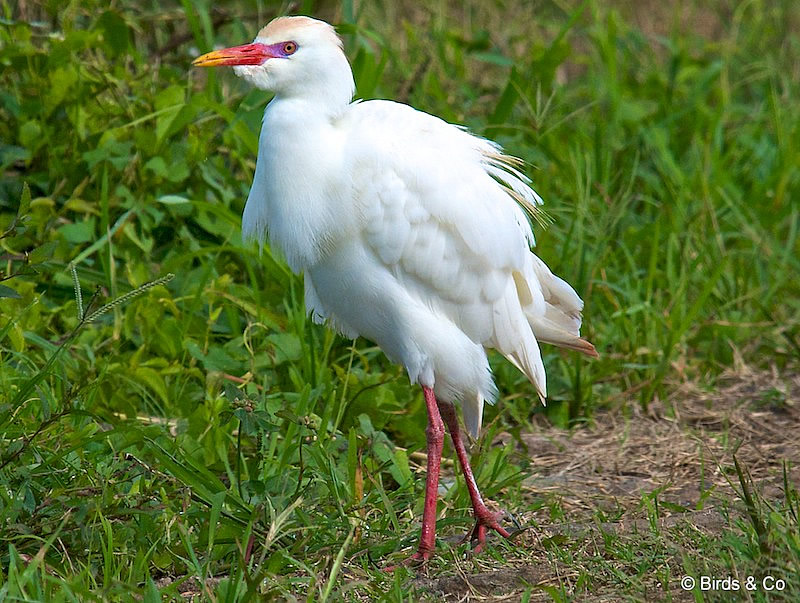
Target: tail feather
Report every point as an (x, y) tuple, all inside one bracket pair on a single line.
[(514, 339), (556, 318), (537, 307), (529, 362), (548, 331), (472, 411)]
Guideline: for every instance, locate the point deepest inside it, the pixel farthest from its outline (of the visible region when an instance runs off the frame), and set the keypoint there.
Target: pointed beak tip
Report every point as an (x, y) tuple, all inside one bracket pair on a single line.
[(249, 54), (210, 59)]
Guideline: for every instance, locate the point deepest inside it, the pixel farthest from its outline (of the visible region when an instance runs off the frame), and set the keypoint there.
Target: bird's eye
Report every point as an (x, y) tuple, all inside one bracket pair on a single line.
[(289, 48)]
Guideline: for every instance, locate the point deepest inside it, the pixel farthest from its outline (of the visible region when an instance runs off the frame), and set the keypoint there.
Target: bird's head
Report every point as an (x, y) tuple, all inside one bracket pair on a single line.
[(292, 57)]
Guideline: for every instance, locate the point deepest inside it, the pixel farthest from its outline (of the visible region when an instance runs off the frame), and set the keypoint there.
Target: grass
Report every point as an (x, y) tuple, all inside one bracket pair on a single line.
[(201, 435)]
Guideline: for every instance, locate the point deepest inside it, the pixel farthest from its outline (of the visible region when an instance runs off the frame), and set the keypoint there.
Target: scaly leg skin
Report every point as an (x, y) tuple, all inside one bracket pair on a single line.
[(484, 518), (435, 438)]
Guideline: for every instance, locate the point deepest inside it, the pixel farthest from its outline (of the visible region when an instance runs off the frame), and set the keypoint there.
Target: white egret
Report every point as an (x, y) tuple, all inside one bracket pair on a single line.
[(409, 231)]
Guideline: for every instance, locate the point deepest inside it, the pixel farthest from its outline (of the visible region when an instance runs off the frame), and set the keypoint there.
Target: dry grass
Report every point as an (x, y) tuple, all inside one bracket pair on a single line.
[(682, 446), (682, 450)]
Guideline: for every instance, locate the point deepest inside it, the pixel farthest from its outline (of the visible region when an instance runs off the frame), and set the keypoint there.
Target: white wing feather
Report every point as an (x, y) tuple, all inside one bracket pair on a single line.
[(427, 253), (435, 215)]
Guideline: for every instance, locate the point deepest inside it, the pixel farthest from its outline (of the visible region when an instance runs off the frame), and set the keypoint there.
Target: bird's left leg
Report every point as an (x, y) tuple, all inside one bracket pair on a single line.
[(484, 518)]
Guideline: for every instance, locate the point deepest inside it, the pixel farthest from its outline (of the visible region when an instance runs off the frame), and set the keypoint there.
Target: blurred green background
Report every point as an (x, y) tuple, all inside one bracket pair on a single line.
[(202, 426)]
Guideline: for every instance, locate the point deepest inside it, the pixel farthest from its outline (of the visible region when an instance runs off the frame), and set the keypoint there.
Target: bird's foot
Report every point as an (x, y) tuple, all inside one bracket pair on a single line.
[(485, 520), (418, 559)]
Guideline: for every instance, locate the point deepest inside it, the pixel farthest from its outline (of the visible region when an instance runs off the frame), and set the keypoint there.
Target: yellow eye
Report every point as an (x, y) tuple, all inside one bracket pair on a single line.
[(289, 48)]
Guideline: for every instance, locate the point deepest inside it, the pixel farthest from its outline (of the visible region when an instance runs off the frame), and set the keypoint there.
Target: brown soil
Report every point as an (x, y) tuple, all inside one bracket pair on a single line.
[(682, 449)]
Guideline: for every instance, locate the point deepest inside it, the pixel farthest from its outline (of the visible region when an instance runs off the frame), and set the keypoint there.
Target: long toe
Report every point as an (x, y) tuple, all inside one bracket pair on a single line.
[(418, 559), (486, 521)]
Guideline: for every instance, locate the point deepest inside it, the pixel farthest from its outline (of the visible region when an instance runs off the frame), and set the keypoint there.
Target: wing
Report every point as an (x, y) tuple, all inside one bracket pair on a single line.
[(441, 209)]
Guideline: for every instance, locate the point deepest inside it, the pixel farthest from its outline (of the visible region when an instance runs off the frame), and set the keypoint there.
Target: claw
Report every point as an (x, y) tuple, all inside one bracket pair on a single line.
[(485, 521), (418, 559)]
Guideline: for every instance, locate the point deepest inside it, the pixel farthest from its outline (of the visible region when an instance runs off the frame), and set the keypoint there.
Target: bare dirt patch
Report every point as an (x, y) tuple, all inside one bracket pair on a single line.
[(677, 455)]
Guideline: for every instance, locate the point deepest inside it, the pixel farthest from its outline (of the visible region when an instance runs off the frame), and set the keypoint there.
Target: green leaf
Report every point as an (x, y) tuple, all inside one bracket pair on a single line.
[(119, 154), (8, 292), (173, 200), (10, 154), (158, 166), (63, 80), (151, 594), (168, 103), (116, 33), (400, 469), (154, 380), (81, 206), (30, 134), (217, 500), (79, 232), (22, 211), (286, 347)]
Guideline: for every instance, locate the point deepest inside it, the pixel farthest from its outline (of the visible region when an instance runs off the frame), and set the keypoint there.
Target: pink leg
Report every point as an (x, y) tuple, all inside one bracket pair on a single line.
[(484, 518), (435, 438)]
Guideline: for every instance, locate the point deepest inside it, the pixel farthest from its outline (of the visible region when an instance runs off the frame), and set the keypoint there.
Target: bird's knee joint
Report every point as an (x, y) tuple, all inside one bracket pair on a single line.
[(435, 432)]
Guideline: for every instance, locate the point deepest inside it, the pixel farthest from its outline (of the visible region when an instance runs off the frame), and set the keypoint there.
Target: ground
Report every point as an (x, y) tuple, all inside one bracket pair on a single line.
[(681, 450), (622, 506)]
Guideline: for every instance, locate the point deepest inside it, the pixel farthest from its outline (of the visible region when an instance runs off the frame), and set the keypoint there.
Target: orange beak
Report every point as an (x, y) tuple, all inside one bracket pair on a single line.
[(248, 54)]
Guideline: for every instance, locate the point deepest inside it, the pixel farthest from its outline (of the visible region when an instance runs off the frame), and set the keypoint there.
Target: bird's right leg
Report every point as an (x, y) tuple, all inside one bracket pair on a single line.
[(435, 439)]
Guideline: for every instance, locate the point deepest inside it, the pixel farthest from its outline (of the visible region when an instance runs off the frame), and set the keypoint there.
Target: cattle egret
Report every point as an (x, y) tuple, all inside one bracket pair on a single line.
[(410, 231)]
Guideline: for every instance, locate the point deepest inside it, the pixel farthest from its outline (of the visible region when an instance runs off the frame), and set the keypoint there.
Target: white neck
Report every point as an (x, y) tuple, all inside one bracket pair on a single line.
[(296, 194), (329, 90)]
